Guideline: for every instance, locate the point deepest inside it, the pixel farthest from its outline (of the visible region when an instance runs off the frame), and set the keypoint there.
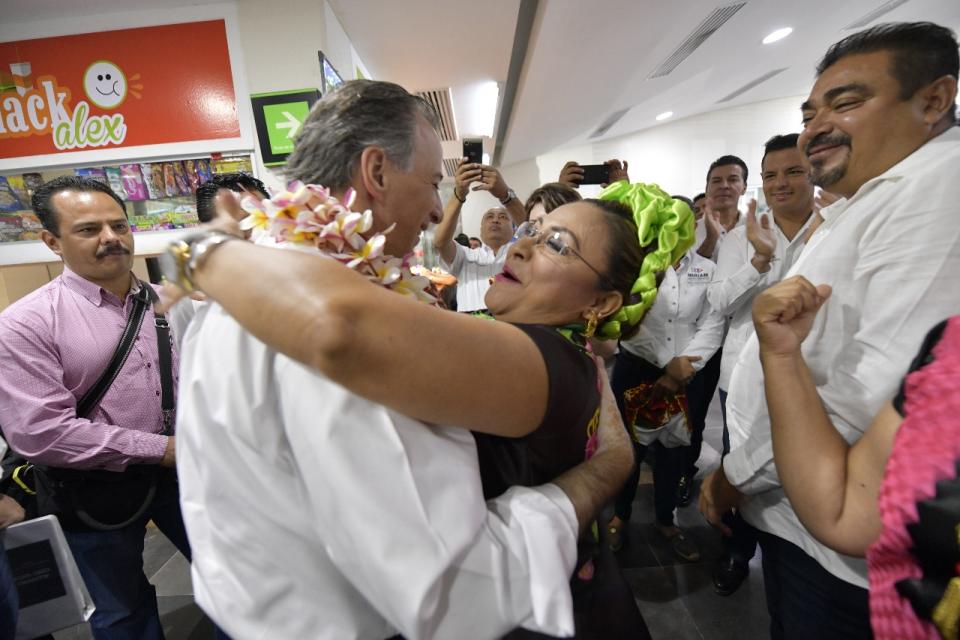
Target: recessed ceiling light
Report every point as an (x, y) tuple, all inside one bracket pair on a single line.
[(664, 115), (779, 34)]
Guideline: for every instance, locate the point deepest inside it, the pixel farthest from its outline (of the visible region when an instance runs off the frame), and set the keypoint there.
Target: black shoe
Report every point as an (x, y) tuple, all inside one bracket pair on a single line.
[(684, 490), (729, 575)]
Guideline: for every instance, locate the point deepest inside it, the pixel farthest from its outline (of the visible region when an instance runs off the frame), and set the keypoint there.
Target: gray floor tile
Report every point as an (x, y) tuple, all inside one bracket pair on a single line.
[(739, 616), (173, 578), (183, 619), (664, 612), (157, 550)]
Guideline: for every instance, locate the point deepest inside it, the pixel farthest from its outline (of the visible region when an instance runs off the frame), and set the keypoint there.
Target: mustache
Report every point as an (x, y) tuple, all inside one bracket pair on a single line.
[(835, 139), (113, 249)]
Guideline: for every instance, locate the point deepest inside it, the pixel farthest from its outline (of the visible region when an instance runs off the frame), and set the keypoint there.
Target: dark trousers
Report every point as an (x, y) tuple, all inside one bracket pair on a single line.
[(111, 564), (629, 371), (700, 392), (805, 600), (742, 543)]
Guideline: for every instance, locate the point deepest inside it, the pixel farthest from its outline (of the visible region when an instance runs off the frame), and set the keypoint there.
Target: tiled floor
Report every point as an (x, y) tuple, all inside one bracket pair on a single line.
[(169, 572), (676, 597)]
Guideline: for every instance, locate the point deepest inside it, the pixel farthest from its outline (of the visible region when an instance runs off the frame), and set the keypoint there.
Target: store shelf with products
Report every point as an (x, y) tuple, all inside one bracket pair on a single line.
[(159, 197)]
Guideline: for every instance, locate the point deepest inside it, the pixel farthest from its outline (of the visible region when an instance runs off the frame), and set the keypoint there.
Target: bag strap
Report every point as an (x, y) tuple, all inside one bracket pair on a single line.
[(146, 296), (165, 357), (93, 396)]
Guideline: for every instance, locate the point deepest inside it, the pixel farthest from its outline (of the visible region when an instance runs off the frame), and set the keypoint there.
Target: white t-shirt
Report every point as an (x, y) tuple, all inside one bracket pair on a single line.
[(737, 282), (892, 254), (473, 269)]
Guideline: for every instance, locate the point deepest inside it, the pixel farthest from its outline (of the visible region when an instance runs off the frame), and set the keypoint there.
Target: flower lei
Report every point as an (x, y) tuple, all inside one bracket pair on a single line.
[(658, 217), (307, 215)]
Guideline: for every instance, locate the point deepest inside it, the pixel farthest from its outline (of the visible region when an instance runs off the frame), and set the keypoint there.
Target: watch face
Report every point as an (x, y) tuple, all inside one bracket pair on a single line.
[(169, 265)]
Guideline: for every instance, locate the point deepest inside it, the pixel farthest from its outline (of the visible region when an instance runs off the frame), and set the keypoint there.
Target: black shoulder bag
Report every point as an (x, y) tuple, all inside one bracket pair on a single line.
[(108, 500)]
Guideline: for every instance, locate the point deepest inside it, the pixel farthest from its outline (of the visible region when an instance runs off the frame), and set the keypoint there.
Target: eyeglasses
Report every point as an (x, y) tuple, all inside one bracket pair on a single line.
[(557, 244)]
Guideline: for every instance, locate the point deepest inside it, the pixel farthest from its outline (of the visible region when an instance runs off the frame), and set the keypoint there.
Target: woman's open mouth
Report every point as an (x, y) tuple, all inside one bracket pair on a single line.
[(506, 276)]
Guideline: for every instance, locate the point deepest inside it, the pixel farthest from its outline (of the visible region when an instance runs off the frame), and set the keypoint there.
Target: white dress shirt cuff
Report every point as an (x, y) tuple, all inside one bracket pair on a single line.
[(741, 473), (549, 525)]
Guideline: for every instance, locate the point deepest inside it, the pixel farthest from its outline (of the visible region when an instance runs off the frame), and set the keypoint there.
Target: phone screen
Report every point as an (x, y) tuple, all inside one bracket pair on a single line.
[(473, 150), (595, 173)]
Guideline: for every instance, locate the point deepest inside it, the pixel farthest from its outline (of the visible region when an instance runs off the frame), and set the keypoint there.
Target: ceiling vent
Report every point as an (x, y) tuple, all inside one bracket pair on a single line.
[(873, 15), (450, 166), (751, 84), (611, 120), (439, 99), (707, 28)]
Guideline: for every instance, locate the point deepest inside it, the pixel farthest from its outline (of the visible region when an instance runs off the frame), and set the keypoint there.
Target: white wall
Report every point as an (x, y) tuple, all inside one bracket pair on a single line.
[(281, 52), (676, 155)]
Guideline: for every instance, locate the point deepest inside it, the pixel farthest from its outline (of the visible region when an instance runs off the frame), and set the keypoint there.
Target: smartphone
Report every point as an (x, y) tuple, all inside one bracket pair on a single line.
[(473, 150), (595, 173)]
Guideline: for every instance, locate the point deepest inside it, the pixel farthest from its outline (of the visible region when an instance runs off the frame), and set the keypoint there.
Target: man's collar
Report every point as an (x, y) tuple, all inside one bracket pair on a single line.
[(930, 149), (484, 245), (91, 291)]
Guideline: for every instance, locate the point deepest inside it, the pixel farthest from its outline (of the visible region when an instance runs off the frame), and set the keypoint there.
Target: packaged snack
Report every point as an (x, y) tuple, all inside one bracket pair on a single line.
[(20, 190), (10, 228), (8, 199), (115, 182), (170, 180), (30, 221), (133, 182), (180, 175), (153, 178), (94, 173), (204, 172), (32, 182), (190, 166), (233, 164), (31, 226)]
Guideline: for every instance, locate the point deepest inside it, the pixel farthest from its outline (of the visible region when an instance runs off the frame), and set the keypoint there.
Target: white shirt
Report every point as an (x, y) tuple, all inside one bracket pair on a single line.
[(892, 255), (314, 513), (681, 321), (473, 269), (737, 282), (180, 315), (700, 234)]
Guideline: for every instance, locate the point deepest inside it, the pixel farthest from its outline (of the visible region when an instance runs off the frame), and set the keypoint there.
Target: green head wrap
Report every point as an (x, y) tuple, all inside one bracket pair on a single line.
[(658, 218)]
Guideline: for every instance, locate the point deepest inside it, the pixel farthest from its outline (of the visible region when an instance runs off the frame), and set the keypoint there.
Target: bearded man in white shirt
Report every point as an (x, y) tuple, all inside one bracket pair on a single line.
[(753, 257), (880, 131), (315, 513)]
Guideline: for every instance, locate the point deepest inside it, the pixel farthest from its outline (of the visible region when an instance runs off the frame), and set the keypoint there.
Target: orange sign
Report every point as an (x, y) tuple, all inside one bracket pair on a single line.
[(124, 88)]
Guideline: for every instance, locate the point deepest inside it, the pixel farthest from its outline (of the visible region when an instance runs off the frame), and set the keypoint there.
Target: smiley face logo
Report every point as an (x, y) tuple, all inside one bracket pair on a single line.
[(105, 84)]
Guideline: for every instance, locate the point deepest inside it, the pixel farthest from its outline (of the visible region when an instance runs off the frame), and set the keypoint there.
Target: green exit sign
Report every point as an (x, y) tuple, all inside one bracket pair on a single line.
[(279, 117)]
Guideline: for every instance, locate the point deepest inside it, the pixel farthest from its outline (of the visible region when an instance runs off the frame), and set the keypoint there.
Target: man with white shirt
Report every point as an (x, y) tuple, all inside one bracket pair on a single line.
[(726, 183), (753, 257), (316, 513), (473, 268), (880, 131)]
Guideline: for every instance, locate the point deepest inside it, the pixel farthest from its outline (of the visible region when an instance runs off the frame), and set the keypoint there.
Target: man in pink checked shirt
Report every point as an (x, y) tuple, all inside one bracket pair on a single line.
[(54, 345)]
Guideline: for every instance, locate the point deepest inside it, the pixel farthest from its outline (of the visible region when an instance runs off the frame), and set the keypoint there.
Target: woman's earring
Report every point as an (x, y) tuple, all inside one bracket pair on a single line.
[(591, 325)]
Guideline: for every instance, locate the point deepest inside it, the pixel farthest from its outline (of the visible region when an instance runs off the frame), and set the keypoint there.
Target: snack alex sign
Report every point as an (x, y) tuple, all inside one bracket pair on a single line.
[(130, 87)]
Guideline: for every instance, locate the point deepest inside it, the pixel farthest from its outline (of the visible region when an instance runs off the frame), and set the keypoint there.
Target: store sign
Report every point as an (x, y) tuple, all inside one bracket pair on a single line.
[(130, 87), (278, 117)]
